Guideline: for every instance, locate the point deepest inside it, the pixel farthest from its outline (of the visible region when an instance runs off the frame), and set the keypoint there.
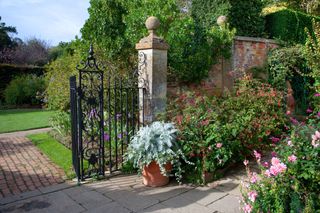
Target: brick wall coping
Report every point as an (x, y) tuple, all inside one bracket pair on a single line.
[(254, 39)]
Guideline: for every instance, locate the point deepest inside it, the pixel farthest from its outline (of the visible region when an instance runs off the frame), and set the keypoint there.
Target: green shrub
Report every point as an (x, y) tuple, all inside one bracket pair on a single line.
[(8, 72), (25, 90), (58, 73), (289, 25)]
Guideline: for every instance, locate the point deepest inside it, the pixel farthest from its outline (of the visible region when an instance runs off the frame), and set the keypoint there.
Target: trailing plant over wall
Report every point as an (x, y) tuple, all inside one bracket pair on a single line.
[(312, 53), (289, 64)]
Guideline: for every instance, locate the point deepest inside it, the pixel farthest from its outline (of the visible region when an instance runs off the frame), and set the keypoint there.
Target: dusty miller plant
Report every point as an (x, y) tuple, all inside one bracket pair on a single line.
[(156, 142)]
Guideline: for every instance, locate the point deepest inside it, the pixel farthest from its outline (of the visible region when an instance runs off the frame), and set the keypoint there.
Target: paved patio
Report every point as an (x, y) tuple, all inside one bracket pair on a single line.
[(127, 194), (23, 167), (30, 182)]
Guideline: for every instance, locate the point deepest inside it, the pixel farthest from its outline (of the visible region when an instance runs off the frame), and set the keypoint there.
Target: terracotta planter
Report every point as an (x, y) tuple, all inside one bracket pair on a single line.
[(152, 176)]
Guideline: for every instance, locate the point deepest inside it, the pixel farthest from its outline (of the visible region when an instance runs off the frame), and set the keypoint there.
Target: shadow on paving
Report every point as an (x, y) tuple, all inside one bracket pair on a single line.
[(128, 194)]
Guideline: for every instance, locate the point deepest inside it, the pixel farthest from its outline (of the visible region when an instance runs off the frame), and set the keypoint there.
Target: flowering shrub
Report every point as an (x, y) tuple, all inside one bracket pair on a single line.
[(216, 132), (291, 183), (199, 135), (251, 114)]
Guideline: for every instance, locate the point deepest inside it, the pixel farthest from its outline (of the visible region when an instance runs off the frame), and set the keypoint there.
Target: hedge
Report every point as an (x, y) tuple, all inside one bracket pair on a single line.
[(289, 25), (9, 72)]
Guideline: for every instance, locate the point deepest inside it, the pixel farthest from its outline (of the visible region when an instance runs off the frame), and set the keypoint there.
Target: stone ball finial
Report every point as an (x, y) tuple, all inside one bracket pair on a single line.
[(222, 20), (152, 23)]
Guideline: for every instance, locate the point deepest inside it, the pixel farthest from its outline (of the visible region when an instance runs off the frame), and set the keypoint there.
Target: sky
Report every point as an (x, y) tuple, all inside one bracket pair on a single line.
[(49, 20)]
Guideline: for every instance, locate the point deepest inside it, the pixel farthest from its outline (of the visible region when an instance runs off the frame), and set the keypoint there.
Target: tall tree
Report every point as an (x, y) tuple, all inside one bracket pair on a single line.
[(5, 39)]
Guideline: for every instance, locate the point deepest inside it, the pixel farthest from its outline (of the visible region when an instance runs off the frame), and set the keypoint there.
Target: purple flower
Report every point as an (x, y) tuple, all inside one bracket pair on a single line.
[(275, 139), (294, 121), (120, 135), (93, 114), (106, 137), (118, 116)]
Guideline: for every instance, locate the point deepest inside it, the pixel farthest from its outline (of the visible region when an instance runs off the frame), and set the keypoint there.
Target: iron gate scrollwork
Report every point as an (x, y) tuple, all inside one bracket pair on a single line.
[(102, 126)]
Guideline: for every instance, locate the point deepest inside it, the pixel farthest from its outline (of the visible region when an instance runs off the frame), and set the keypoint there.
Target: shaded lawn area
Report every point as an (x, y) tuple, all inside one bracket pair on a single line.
[(23, 119), (56, 152)]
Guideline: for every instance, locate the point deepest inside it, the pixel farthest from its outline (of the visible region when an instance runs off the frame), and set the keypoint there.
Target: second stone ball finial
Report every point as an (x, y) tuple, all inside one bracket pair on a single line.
[(152, 23)]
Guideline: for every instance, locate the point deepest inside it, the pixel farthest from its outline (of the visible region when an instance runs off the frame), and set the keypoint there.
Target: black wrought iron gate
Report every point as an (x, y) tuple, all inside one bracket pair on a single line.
[(105, 115)]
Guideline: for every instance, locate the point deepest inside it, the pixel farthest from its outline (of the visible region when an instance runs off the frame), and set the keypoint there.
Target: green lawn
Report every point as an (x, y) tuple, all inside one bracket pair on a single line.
[(55, 151), (23, 119)]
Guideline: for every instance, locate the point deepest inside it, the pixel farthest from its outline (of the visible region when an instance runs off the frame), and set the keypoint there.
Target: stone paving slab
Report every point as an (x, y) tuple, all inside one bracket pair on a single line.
[(24, 168), (121, 195)]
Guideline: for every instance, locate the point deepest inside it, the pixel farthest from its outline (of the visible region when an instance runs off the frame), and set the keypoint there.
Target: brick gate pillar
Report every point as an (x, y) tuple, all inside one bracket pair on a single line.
[(153, 73)]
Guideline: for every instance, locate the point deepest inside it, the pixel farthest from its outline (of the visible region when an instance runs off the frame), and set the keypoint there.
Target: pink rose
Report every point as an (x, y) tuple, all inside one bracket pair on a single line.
[(252, 195), (257, 155), (219, 145), (292, 158), (254, 178), (247, 208), (275, 161)]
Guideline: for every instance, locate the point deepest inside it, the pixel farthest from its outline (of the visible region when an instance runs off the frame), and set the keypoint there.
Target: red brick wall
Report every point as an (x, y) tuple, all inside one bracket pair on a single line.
[(251, 52), (247, 52)]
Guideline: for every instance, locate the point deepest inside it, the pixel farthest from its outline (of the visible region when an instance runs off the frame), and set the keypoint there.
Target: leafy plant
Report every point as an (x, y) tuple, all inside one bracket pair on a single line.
[(156, 142), (61, 125)]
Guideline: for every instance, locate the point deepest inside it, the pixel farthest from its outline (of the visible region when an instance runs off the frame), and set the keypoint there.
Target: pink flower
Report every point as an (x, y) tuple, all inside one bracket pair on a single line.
[(247, 208), (219, 145), (318, 114), (267, 173), (273, 154), (257, 155), (254, 178), (265, 164), (277, 169), (292, 158), (252, 195), (315, 139), (290, 143), (317, 95), (288, 112), (204, 123), (275, 161), (245, 162), (309, 110), (275, 139)]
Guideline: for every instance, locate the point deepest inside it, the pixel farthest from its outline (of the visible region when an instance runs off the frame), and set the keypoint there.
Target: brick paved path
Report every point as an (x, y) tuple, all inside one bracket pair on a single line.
[(24, 168)]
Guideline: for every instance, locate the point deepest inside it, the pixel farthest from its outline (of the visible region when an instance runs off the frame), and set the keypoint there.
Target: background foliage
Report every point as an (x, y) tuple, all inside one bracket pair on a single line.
[(289, 25), (9, 72), (25, 89)]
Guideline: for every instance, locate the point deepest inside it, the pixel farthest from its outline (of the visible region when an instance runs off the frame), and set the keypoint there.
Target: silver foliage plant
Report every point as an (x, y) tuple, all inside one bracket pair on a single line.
[(156, 142)]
